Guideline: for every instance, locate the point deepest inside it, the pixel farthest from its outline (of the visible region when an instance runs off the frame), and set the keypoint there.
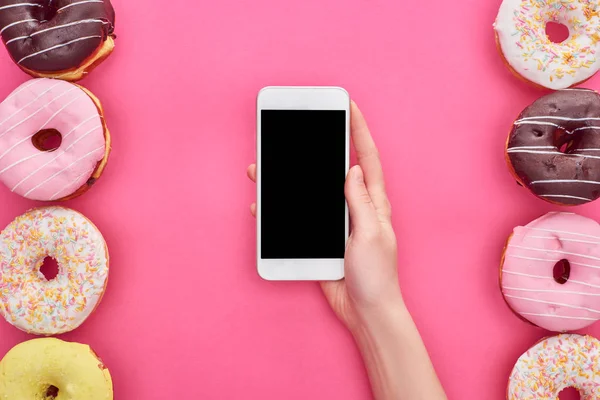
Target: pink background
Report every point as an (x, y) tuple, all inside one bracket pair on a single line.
[(185, 314)]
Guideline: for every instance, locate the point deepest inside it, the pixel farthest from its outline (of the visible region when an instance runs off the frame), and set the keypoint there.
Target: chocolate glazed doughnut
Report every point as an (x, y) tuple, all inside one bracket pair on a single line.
[(62, 39), (554, 147)]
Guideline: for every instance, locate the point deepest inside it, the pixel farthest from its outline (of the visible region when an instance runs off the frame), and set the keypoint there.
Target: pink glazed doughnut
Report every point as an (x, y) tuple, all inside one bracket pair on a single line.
[(550, 272), (35, 114)]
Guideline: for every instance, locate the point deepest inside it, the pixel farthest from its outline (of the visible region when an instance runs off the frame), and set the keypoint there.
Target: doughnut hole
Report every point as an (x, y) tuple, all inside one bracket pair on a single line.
[(562, 271), (569, 393), (557, 32), (563, 142), (47, 140), (49, 268), (564, 148), (51, 393)]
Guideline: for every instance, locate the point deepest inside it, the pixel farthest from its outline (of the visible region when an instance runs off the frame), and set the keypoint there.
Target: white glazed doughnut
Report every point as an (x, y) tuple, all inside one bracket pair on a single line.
[(48, 307), (554, 364), (521, 35)]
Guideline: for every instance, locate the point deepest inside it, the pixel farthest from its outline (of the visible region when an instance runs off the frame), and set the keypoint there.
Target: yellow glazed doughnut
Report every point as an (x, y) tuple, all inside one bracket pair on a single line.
[(49, 307), (43, 369)]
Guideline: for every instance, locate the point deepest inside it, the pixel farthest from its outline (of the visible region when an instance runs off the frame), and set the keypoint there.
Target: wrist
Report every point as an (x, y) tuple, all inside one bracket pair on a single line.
[(386, 338), (395, 356), (381, 316)]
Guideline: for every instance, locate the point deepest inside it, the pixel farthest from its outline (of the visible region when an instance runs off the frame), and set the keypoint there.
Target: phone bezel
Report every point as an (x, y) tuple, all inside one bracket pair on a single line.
[(299, 98)]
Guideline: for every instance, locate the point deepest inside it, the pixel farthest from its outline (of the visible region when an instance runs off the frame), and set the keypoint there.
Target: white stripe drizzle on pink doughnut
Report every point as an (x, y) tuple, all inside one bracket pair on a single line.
[(74, 163), (528, 283), (42, 127), (55, 158), (49, 104), (41, 153), (19, 90)]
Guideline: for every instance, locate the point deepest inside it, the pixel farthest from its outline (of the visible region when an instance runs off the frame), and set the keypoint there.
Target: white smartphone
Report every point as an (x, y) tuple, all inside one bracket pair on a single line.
[(302, 162)]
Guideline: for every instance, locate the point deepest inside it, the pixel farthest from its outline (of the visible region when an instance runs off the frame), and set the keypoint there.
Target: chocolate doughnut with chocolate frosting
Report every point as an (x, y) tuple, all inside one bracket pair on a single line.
[(57, 38), (554, 147)]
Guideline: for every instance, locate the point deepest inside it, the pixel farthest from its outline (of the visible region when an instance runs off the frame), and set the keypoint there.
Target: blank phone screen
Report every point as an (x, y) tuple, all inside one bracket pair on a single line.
[(303, 169)]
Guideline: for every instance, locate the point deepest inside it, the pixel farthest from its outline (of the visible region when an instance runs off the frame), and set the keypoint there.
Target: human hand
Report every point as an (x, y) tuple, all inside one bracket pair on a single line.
[(371, 274)]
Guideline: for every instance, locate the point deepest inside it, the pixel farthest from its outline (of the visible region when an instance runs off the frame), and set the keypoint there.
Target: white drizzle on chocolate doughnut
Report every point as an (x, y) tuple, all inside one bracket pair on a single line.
[(568, 118), (53, 36)]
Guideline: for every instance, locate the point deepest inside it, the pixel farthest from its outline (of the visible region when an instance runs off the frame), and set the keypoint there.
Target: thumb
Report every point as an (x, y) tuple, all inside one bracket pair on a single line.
[(362, 210)]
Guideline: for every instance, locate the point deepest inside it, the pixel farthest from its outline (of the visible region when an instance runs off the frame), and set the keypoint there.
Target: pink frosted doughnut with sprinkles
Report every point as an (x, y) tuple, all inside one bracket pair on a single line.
[(527, 50), (28, 300), (550, 272), (54, 143), (554, 364)]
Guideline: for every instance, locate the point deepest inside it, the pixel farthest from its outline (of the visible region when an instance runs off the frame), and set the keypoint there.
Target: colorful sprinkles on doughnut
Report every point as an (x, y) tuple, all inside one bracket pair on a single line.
[(27, 299), (522, 39), (555, 364)]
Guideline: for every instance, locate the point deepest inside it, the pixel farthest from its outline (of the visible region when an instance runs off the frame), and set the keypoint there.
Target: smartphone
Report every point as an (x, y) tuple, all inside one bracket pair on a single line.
[(302, 163)]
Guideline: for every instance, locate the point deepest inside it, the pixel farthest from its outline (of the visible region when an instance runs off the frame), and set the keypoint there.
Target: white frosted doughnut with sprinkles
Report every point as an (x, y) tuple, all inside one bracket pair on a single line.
[(40, 109), (554, 364), (49, 307), (569, 242), (521, 35)]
